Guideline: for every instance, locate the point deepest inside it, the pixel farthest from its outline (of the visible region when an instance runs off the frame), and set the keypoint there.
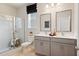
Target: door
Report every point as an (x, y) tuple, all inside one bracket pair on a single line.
[(6, 30), (19, 28), (69, 50), (56, 49)]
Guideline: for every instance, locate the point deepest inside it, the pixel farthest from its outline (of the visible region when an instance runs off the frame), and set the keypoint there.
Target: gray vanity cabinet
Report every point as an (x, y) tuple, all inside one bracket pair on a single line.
[(55, 46), (59, 49), (42, 45), (63, 48)]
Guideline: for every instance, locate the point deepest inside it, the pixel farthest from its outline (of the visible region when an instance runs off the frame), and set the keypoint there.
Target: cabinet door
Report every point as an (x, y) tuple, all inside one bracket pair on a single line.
[(69, 50), (42, 47), (56, 49), (60, 49)]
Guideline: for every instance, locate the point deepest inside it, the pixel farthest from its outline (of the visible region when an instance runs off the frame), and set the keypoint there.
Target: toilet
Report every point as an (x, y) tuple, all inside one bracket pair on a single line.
[(28, 43)]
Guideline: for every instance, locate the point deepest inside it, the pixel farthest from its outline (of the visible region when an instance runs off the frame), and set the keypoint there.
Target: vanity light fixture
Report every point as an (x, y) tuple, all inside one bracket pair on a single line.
[(53, 4)]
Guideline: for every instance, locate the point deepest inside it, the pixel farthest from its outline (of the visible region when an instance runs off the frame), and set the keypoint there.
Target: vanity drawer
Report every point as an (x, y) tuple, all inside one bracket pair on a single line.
[(46, 38), (64, 40), (42, 38), (37, 38)]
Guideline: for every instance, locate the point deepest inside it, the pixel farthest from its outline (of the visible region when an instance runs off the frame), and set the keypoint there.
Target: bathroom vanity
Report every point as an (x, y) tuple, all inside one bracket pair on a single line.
[(55, 45)]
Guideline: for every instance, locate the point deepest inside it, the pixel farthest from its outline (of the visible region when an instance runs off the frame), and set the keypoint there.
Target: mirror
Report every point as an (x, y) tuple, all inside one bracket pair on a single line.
[(45, 22), (63, 21)]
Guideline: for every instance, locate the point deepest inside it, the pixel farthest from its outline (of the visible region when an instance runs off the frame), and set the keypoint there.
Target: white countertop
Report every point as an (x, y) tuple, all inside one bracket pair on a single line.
[(69, 37)]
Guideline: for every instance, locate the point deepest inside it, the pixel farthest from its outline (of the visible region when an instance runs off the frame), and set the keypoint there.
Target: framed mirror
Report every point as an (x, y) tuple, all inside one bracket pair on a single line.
[(45, 22), (63, 21)]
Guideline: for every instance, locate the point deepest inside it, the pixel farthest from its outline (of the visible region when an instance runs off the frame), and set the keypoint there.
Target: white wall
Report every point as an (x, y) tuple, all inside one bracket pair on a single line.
[(6, 26), (78, 23), (7, 10), (5, 33), (76, 15)]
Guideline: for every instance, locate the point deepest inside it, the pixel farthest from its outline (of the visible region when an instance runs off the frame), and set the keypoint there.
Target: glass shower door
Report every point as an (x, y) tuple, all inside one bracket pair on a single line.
[(6, 30), (19, 29)]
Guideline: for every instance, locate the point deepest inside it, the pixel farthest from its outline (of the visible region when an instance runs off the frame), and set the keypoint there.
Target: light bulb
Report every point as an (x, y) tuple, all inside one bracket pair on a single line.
[(47, 6), (52, 4)]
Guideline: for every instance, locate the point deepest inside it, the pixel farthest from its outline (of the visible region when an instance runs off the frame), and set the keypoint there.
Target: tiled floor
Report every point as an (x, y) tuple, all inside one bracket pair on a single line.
[(28, 51)]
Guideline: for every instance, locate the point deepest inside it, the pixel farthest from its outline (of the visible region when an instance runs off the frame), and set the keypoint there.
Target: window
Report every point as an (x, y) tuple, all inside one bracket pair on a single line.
[(31, 20)]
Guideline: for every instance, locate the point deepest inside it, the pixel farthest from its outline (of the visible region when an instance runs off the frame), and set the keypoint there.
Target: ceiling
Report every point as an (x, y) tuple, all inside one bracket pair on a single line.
[(18, 5)]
